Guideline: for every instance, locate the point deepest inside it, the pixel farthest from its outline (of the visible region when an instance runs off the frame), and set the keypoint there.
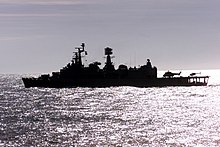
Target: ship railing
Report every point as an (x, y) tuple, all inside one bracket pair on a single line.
[(198, 79)]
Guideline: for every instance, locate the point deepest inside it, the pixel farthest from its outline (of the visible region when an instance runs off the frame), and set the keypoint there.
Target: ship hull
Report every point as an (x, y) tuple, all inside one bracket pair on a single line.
[(154, 82)]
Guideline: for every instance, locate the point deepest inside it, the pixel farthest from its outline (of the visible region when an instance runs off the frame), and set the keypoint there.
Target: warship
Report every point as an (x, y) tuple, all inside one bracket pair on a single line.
[(75, 74)]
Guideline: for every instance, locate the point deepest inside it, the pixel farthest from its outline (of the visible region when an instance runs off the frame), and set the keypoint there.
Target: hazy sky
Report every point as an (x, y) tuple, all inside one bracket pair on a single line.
[(40, 35)]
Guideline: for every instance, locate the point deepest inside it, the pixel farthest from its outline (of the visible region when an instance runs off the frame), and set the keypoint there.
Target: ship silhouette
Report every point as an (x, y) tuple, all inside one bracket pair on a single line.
[(75, 74)]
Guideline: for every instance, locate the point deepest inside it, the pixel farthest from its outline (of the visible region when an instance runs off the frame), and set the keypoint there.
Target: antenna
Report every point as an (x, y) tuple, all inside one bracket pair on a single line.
[(78, 54)]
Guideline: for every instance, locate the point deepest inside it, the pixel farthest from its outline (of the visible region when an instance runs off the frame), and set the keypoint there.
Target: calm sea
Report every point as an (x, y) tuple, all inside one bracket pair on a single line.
[(115, 116)]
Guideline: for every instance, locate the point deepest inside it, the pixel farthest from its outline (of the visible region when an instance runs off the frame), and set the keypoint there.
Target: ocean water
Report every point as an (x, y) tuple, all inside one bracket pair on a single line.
[(115, 116)]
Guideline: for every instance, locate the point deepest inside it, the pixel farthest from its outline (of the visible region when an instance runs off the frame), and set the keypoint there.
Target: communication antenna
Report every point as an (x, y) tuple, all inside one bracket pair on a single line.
[(135, 59)]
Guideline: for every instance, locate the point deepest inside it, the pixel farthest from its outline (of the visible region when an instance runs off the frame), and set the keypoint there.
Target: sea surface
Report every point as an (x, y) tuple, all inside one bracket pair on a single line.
[(115, 116)]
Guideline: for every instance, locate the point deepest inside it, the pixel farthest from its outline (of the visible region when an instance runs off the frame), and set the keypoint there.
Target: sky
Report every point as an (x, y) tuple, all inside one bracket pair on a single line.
[(39, 36)]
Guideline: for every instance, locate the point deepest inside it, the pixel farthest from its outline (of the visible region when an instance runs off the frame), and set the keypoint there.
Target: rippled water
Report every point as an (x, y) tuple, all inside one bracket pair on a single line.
[(115, 116)]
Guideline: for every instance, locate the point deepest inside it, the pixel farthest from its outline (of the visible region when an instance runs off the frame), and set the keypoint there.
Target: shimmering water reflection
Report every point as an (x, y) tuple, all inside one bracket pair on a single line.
[(116, 116)]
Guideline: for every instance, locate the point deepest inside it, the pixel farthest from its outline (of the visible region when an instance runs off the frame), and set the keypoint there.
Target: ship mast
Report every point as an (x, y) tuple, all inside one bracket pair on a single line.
[(78, 56), (108, 65)]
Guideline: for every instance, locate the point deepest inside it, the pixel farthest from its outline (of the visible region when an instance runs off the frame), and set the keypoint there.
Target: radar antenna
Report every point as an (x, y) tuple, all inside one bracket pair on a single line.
[(108, 65)]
